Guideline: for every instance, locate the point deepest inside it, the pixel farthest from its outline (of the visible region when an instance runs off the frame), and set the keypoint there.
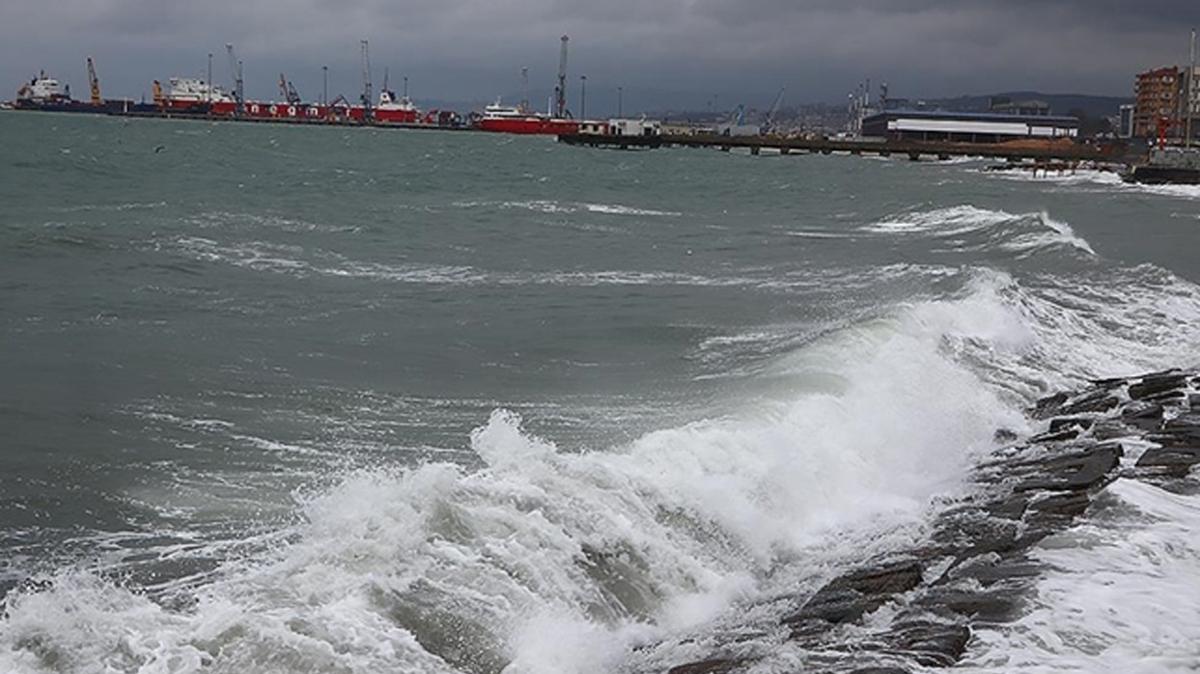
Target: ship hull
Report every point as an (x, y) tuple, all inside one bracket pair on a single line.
[(59, 106), (529, 126), (293, 112), (107, 107), (1163, 175)]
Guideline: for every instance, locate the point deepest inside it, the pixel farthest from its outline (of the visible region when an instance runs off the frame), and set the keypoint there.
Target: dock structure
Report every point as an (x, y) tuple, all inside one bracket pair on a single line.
[(914, 149)]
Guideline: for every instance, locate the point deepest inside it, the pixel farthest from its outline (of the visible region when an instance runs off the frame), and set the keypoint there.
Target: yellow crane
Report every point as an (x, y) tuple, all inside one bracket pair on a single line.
[(94, 82)]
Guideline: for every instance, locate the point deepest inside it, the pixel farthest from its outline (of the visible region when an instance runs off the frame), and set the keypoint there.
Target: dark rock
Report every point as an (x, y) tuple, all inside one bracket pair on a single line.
[(1185, 427), (835, 606), (1054, 512), (930, 644), (884, 579), (1146, 416), (1176, 397), (1004, 571), (1011, 507), (1059, 436), (1177, 433), (1004, 435), (1110, 429), (1079, 471), (1064, 505), (848, 597), (1109, 383), (1096, 401), (712, 666), (1154, 384), (1082, 423), (1048, 406), (880, 670), (1173, 459), (991, 606), (979, 534)]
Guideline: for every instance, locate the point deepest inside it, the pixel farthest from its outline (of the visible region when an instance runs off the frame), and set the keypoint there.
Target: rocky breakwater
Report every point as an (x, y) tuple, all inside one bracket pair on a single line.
[(975, 569)]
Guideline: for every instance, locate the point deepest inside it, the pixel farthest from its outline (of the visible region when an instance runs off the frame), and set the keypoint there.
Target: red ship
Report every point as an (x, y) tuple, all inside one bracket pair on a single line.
[(508, 119)]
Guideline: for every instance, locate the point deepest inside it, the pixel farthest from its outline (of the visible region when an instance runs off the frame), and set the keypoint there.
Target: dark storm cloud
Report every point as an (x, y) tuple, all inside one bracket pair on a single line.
[(473, 49)]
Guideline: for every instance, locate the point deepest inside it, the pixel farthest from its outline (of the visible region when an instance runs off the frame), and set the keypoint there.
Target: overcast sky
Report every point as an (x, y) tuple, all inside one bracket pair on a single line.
[(471, 50)]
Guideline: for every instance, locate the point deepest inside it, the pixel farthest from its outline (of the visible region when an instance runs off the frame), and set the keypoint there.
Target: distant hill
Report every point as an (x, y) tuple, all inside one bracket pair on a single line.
[(1060, 104)]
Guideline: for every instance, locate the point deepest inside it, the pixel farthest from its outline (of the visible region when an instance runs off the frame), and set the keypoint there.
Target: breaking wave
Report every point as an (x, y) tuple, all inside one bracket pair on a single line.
[(566, 559), (1021, 233)]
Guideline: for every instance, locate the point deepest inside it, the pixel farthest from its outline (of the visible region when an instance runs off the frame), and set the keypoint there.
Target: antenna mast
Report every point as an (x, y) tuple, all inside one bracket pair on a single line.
[(560, 93), (235, 68), (366, 63)]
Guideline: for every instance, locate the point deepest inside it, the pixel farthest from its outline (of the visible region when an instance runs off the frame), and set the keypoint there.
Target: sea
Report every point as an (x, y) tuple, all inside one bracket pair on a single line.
[(328, 399)]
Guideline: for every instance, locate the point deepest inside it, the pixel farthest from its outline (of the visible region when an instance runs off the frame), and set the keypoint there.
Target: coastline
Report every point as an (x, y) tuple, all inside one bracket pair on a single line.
[(979, 568)]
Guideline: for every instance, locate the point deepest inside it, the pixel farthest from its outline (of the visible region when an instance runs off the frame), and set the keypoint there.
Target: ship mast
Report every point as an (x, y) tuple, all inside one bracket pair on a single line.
[(525, 90), (560, 93)]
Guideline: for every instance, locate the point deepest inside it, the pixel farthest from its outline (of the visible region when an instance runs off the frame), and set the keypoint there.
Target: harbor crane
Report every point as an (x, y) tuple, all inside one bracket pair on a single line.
[(235, 69), (560, 92), (94, 82), (288, 90), (366, 95), (769, 123)]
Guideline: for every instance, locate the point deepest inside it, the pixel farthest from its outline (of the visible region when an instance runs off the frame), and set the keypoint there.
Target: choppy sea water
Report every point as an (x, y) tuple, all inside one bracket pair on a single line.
[(348, 400)]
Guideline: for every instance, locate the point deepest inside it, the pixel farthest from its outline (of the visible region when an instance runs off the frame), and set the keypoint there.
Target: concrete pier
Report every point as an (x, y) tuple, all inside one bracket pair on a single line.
[(915, 150)]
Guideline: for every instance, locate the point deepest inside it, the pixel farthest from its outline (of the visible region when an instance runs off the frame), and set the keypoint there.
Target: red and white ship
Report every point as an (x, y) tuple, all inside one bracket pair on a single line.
[(509, 119), (188, 95), (392, 110), (192, 95)]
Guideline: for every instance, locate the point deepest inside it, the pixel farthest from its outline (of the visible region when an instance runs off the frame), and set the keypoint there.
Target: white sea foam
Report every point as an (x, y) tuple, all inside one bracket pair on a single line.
[(560, 561), (551, 206), (972, 228), (1121, 595), (617, 209), (554, 559), (1100, 181)]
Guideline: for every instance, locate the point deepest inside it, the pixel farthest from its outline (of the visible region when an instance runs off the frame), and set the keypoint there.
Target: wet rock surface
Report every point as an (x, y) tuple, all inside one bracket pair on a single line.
[(976, 568)]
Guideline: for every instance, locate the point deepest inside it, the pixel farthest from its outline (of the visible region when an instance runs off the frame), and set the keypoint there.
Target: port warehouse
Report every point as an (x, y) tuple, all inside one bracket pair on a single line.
[(966, 127)]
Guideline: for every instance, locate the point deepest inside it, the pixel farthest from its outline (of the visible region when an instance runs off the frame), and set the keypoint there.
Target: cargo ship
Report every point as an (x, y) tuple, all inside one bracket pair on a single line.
[(43, 93), (510, 119), (192, 96), (48, 94)]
